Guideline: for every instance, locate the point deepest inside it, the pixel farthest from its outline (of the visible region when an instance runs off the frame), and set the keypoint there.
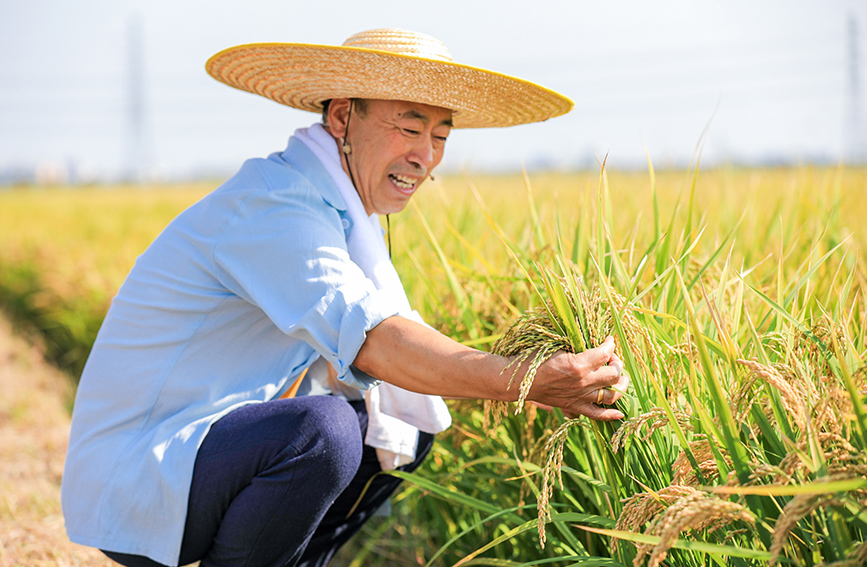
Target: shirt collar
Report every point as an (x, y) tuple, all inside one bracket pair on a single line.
[(307, 164)]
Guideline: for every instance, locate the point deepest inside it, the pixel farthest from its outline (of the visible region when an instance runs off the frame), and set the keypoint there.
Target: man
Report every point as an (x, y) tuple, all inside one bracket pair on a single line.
[(185, 445)]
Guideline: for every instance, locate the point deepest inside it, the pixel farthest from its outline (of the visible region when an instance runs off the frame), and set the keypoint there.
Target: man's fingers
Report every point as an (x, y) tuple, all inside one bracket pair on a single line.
[(611, 392), (604, 376), (584, 387), (603, 357), (616, 363), (600, 355), (594, 412), (623, 383)]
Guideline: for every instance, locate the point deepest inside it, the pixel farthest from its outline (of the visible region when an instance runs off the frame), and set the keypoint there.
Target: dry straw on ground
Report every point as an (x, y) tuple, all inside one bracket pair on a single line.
[(34, 426)]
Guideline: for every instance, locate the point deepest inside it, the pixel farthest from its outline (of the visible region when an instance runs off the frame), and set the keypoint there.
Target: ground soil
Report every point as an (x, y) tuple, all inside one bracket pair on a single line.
[(34, 426)]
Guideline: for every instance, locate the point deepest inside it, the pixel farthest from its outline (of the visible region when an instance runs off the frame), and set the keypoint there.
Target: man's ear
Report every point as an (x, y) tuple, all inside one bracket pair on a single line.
[(338, 115)]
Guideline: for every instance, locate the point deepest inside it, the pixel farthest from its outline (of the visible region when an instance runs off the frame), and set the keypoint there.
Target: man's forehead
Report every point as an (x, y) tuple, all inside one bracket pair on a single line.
[(420, 111)]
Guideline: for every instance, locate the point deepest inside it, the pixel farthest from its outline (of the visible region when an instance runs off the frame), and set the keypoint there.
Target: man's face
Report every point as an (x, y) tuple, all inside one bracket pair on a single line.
[(395, 145)]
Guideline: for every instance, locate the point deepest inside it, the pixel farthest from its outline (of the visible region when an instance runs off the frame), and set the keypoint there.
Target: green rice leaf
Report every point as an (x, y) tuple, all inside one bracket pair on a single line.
[(572, 284), (447, 494), (600, 213), (594, 482), (794, 322), (729, 429), (699, 546), (469, 316), (595, 562), (819, 487), (557, 518), (564, 315), (472, 527), (854, 394)]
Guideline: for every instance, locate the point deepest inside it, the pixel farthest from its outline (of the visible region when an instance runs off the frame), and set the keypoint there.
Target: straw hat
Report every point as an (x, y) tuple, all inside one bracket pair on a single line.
[(387, 64)]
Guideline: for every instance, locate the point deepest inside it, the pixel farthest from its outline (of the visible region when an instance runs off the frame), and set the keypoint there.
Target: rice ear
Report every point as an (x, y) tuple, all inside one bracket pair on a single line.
[(551, 471)]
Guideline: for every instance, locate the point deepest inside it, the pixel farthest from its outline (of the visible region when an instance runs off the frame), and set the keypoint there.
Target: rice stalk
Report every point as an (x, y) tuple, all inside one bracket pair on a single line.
[(698, 511), (687, 474), (651, 420), (539, 333), (793, 401), (836, 451), (642, 507), (803, 505), (672, 510), (552, 472), (531, 339)]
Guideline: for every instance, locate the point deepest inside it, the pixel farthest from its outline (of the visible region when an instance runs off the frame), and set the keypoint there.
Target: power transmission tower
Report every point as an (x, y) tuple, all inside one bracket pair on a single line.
[(856, 129), (136, 155)]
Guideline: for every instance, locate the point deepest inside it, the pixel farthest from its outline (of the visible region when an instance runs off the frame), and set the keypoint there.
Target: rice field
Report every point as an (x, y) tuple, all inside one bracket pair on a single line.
[(737, 300)]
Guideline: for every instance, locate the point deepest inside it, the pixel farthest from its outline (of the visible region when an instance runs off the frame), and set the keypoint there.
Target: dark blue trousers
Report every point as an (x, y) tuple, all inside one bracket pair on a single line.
[(274, 484)]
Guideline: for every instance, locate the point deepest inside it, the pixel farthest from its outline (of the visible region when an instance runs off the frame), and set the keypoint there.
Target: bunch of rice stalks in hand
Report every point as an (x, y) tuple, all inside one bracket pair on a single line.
[(535, 337), (571, 319)]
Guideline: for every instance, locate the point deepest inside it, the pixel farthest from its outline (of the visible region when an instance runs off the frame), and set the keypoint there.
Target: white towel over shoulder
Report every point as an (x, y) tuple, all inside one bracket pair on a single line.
[(395, 415)]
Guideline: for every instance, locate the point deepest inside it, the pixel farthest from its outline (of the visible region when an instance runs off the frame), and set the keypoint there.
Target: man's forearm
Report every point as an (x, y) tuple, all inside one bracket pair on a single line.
[(415, 357)]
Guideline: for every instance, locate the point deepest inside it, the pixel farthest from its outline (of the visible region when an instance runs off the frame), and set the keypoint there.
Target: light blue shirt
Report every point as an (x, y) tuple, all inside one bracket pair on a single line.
[(230, 303)]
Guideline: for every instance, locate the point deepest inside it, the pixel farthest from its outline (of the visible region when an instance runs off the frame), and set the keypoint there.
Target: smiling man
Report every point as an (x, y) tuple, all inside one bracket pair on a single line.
[(261, 363)]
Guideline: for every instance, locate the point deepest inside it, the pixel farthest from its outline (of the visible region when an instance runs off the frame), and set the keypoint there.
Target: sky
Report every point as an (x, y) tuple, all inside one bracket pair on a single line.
[(751, 81)]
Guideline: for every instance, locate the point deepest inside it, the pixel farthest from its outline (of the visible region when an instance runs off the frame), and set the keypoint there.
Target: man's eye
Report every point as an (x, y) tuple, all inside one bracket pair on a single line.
[(411, 132)]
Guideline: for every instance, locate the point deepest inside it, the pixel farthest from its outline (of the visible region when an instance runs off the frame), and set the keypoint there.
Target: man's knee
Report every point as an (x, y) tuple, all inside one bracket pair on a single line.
[(332, 436)]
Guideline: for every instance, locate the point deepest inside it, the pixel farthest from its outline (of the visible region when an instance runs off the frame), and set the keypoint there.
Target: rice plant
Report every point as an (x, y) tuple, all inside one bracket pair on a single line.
[(744, 441)]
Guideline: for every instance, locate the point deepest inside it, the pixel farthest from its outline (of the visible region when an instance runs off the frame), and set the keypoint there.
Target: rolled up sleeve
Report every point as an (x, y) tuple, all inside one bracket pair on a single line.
[(285, 252)]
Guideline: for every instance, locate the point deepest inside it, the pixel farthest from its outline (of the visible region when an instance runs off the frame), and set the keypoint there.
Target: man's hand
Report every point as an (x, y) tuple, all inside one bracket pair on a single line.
[(573, 382)]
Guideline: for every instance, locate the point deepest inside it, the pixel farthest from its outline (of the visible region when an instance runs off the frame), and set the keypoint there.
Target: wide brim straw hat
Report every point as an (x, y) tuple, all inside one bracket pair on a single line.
[(386, 64)]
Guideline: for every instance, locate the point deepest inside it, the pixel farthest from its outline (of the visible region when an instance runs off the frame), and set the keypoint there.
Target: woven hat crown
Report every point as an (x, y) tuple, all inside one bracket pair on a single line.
[(403, 42), (385, 64)]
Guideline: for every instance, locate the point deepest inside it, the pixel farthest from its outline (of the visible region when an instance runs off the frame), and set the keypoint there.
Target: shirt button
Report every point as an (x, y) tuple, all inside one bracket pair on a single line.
[(346, 224)]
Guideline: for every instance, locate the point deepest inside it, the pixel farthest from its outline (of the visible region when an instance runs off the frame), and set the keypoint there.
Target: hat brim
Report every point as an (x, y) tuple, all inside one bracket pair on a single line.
[(303, 76)]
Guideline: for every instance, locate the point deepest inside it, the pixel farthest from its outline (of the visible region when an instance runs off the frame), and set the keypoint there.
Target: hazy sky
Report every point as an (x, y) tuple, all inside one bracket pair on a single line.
[(771, 77)]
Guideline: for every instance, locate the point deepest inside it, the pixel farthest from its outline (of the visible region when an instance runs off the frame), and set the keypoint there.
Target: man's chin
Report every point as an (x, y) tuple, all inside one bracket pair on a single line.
[(397, 203), (393, 210)]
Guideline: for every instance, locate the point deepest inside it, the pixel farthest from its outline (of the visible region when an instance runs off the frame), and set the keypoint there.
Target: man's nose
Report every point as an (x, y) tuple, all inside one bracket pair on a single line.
[(423, 153)]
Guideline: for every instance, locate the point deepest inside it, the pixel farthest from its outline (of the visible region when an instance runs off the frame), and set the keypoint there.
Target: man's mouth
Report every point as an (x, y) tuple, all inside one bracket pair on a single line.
[(403, 181)]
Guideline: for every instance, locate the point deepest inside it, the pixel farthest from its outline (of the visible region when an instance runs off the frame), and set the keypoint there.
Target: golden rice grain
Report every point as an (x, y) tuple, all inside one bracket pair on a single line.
[(683, 471), (641, 507), (792, 400), (552, 470), (699, 511), (672, 510), (795, 510), (652, 420)]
